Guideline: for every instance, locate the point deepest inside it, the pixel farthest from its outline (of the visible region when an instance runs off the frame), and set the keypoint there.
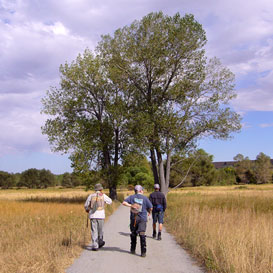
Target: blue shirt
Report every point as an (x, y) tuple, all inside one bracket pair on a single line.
[(144, 201)]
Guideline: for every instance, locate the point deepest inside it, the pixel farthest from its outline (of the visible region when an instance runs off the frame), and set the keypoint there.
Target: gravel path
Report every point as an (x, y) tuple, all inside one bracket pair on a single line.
[(162, 256)]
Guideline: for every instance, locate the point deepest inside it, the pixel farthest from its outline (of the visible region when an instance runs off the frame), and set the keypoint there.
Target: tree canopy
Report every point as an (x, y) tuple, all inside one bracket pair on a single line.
[(148, 87), (177, 95)]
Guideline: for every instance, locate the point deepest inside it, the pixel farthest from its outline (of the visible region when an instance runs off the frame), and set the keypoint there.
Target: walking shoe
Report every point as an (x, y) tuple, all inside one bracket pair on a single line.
[(154, 234), (159, 236), (101, 244), (95, 249), (133, 251), (143, 255)]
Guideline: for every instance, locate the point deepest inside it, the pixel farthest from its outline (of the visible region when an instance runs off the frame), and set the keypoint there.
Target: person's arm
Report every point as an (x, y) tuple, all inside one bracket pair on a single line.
[(150, 207), (87, 203), (126, 204), (107, 199)]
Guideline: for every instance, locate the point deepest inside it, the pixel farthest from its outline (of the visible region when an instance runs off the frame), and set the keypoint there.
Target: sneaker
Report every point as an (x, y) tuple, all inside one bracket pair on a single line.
[(154, 234), (143, 255), (95, 249), (159, 236), (133, 251), (101, 244)]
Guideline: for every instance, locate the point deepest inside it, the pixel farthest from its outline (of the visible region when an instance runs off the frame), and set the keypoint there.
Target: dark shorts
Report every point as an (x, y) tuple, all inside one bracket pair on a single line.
[(138, 225), (158, 217)]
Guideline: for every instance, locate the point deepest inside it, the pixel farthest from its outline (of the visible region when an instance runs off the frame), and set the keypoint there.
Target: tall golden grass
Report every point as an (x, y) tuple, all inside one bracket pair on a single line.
[(45, 235), (228, 229)]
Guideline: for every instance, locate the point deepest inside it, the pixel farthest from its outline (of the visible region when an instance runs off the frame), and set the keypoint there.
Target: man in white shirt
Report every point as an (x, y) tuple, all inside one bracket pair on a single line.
[(94, 205)]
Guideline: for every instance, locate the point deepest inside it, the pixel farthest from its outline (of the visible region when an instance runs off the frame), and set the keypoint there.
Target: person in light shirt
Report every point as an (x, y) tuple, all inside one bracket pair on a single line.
[(94, 206)]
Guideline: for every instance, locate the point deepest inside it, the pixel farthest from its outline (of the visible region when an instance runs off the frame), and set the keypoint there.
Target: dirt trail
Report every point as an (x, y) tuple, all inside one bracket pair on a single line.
[(162, 256)]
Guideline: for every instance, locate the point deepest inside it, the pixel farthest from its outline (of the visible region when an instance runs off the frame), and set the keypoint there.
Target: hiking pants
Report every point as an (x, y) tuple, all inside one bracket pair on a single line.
[(96, 231), (138, 226)]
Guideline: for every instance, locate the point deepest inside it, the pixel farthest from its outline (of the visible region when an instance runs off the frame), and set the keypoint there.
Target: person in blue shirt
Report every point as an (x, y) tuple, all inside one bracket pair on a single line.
[(140, 205)]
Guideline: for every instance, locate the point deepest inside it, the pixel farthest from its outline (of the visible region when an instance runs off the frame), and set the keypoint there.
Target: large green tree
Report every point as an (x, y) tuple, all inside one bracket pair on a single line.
[(86, 118), (176, 95)]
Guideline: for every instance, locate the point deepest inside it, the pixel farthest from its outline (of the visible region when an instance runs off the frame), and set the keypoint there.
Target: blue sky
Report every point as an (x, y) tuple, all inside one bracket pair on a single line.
[(38, 36)]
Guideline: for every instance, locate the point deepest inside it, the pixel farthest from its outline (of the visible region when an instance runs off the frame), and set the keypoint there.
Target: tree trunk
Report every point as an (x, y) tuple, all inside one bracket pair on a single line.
[(113, 192), (154, 166), (116, 158), (110, 175), (168, 171), (163, 185)]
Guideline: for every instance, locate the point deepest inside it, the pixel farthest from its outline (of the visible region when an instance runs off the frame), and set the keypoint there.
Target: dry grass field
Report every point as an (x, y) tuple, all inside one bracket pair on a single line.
[(46, 232), (229, 229)]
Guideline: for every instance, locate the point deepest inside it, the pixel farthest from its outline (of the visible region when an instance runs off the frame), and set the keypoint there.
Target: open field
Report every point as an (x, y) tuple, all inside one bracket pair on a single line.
[(45, 235), (227, 228)]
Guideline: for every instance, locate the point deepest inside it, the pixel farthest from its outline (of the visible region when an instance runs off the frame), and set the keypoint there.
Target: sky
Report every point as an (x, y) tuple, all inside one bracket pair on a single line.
[(36, 37)]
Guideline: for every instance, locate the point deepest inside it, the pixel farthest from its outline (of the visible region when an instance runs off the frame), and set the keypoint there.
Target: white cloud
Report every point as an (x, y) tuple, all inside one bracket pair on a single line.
[(38, 36), (20, 123), (265, 125), (253, 100), (246, 125)]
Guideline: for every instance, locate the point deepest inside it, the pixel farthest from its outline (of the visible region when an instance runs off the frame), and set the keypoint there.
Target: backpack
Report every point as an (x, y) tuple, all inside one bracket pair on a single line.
[(97, 202), (137, 206)]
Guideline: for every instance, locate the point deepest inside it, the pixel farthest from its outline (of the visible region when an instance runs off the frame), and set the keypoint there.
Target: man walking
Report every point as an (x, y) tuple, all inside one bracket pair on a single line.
[(159, 203), (94, 205), (139, 205)]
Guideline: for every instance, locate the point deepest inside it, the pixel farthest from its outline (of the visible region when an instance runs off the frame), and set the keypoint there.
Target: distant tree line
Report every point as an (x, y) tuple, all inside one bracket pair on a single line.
[(195, 169), (38, 179)]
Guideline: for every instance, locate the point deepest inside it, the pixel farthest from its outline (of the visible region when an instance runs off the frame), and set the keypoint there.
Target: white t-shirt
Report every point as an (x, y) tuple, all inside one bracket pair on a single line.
[(98, 214)]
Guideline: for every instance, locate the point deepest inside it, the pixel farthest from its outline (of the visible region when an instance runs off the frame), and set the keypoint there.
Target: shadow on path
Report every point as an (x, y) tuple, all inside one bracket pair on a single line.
[(114, 249), (89, 248), (128, 234), (124, 233)]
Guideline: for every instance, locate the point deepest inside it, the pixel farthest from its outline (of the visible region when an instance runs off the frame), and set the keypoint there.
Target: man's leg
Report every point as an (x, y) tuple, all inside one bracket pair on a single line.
[(159, 232), (100, 233), (160, 221), (141, 231), (154, 224), (94, 234), (133, 236), (143, 243), (154, 230), (160, 227)]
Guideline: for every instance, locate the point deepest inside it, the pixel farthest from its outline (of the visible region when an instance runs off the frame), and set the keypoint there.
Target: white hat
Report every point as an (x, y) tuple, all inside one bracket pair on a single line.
[(138, 188)]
